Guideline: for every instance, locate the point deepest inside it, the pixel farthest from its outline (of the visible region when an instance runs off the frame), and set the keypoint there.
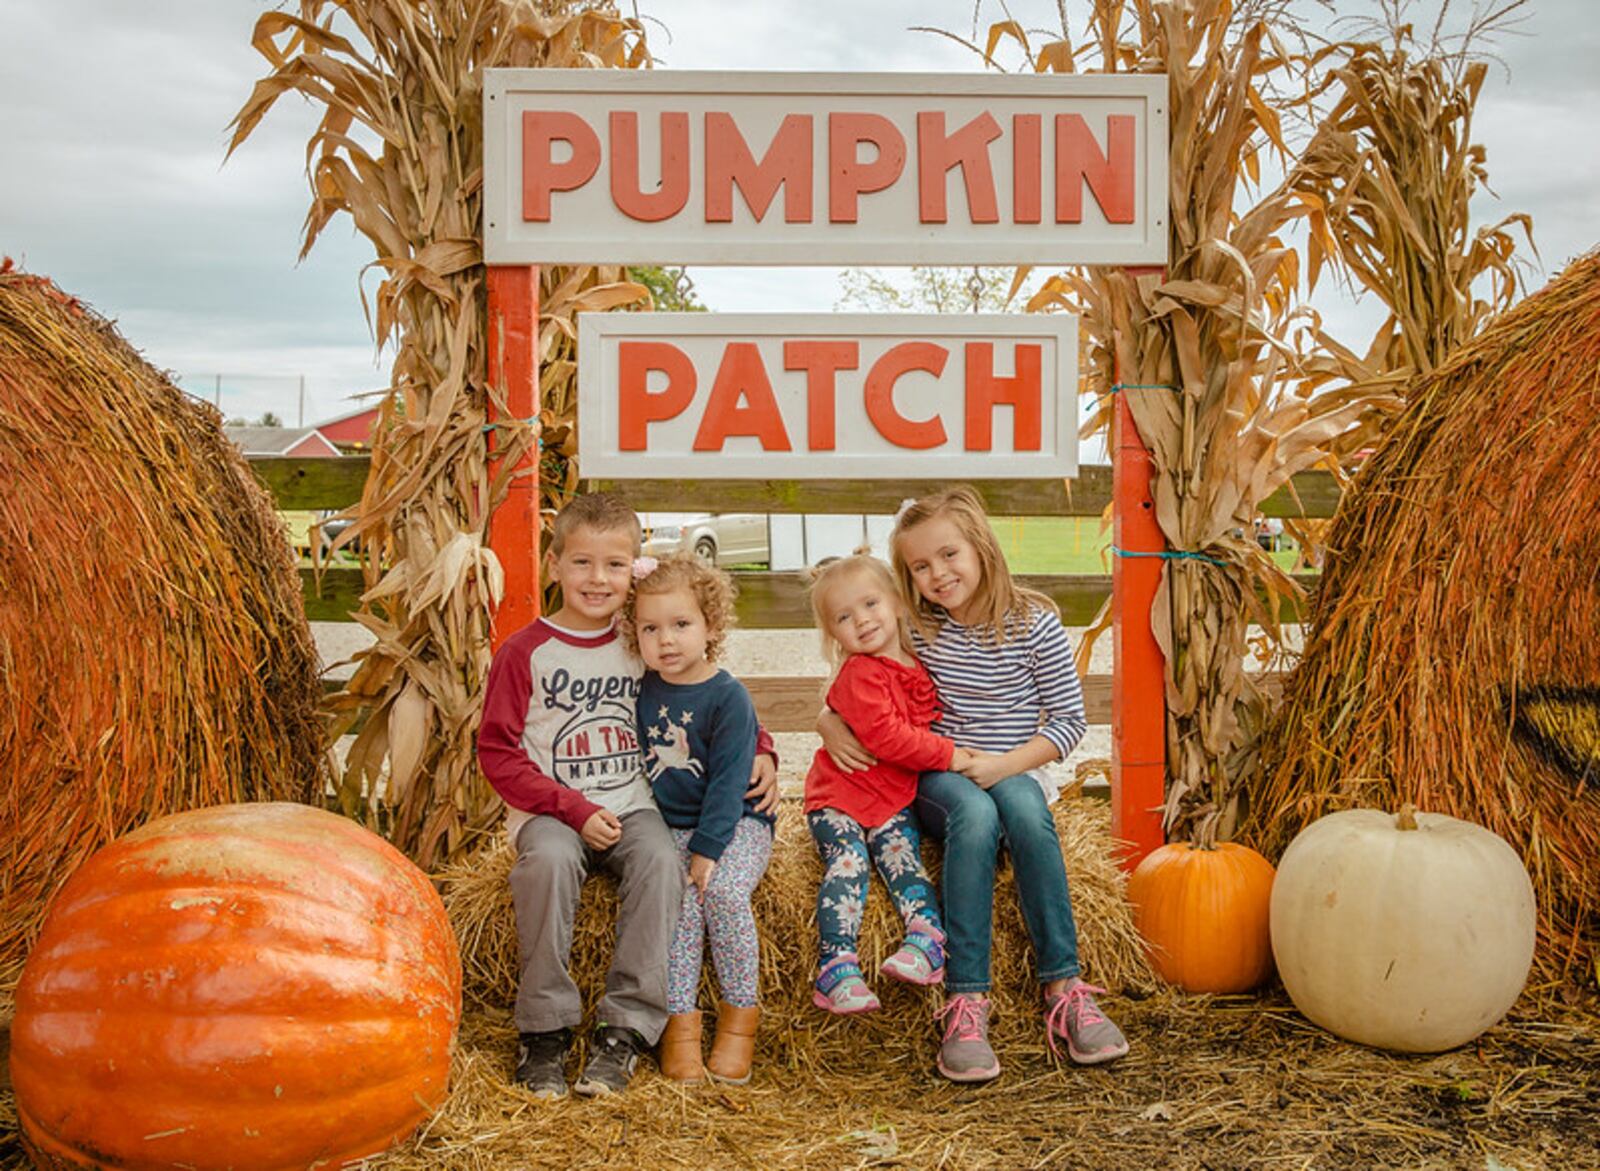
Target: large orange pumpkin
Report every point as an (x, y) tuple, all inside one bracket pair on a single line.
[(247, 986), (1205, 915)]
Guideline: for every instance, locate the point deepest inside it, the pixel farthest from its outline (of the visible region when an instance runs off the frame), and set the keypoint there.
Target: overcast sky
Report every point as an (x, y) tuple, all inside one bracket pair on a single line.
[(113, 124)]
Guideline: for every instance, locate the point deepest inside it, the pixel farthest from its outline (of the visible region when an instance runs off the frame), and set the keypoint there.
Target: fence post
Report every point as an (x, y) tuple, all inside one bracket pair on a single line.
[(513, 293), (1138, 673)]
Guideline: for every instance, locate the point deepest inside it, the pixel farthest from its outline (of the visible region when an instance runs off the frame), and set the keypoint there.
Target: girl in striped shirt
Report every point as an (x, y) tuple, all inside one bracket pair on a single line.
[(1009, 692)]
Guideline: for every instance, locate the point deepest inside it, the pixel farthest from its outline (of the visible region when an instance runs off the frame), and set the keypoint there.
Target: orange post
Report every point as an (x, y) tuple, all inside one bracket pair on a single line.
[(1138, 680), (514, 371)]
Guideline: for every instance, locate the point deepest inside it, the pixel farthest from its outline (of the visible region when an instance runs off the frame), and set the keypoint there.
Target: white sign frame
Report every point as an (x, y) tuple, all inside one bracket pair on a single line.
[(590, 230), (599, 446)]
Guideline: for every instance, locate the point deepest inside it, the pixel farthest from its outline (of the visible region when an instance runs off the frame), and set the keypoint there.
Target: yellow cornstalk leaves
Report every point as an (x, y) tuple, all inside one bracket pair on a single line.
[(1258, 392), (410, 77)]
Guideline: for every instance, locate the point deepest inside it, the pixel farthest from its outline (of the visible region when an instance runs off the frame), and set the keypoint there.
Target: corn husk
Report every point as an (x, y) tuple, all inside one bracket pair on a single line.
[(412, 76)]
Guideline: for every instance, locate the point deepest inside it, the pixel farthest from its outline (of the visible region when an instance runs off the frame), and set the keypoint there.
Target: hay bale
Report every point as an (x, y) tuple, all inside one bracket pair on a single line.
[(153, 644), (477, 895), (1453, 660)]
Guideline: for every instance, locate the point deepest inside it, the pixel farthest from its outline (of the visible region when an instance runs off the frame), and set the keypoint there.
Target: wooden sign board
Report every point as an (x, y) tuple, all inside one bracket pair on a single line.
[(701, 396), (612, 166)]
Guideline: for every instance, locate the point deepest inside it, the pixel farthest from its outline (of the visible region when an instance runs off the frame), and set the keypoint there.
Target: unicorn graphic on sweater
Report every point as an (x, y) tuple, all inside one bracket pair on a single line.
[(671, 750)]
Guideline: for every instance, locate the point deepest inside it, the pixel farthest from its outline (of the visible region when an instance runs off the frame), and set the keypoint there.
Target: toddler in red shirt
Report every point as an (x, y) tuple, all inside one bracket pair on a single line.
[(863, 819)]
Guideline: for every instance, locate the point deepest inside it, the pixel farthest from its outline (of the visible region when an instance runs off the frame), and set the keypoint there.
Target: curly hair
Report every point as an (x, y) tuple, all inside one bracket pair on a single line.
[(712, 589)]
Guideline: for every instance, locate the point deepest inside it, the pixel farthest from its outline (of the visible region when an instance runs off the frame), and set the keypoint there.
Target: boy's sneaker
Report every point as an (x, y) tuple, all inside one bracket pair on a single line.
[(613, 1056), (965, 1055), (542, 1061), (1074, 1016)]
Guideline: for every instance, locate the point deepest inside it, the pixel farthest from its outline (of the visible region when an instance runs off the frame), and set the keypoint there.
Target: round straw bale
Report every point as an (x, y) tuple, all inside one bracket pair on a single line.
[(1454, 661), (794, 1033), (153, 643)]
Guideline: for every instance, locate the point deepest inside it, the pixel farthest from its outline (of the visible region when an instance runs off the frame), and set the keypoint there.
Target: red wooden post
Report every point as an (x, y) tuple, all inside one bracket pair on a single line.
[(514, 369), (1138, 680)]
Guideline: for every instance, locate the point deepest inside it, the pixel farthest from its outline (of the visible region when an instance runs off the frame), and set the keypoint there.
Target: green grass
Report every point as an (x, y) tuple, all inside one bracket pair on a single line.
[(1066, 544)]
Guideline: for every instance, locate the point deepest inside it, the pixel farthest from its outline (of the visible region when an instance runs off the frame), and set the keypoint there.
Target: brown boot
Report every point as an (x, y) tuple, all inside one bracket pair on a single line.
[(735, 1044), (680, 1048)]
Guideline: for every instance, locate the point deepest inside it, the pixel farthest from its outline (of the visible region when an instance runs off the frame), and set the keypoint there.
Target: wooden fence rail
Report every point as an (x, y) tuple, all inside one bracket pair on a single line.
[(771, 600)]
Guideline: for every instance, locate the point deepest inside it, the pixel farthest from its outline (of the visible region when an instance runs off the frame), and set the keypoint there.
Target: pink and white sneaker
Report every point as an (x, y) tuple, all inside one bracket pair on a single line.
[(841, 990), (920, 959)]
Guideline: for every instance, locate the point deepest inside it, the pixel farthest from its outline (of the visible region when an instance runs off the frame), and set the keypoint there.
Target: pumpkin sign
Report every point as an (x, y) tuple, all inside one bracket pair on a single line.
[(1203, 913), (1412, 932), (245, 986)]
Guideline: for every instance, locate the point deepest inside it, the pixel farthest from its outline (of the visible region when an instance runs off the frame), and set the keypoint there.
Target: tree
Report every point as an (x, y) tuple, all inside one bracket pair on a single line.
[(670, 288), (268, 419), (929, 289)]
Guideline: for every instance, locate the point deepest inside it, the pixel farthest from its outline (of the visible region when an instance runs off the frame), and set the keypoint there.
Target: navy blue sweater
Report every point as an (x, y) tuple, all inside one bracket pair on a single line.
[(699, 745)]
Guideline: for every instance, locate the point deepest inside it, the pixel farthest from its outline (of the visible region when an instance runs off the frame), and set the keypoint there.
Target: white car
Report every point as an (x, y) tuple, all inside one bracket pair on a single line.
[(734, 538)]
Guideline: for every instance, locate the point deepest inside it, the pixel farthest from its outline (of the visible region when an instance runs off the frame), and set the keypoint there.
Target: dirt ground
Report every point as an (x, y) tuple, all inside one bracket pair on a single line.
[(1210, 1084)]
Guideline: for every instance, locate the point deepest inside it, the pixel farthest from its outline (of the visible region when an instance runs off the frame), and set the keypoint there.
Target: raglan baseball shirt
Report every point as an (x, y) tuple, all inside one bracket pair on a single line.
[(559, 735)]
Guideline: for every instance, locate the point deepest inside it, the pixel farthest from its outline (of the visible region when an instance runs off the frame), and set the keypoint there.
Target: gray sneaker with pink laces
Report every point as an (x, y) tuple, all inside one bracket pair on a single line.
[(1074, 1017), (965, 1056)]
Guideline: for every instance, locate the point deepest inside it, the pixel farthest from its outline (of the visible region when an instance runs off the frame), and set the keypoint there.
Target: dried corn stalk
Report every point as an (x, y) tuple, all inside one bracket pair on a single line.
[(1218, 328), (400, 150)]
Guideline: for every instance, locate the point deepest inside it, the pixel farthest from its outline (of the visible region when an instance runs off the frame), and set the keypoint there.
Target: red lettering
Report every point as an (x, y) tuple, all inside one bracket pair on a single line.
[(729, 163), (578, 745), (541, 174), (673, 192), (1020, 392), (848, 177), (1109, 175), (1025, 168), (637, 406), (742, 403), (886, 371), (967, 148), (822, 362)]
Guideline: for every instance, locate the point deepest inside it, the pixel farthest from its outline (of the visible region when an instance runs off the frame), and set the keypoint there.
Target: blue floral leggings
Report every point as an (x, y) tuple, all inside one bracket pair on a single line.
[(848, 854)]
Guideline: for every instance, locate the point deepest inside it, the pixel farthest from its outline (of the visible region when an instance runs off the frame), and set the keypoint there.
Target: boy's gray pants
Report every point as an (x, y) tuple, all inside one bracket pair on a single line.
[(546, 880)]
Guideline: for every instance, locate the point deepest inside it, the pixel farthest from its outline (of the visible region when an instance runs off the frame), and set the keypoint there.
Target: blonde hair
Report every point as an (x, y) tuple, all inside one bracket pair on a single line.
[(599, 511), (712, 589), (859, 564), (998, 601)]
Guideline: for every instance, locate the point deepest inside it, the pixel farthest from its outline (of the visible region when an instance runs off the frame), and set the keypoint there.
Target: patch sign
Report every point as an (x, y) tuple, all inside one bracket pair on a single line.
[(820, 396)]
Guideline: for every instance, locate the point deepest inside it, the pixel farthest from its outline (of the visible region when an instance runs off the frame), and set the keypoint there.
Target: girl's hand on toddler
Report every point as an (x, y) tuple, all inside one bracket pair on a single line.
[(841, 743), (764, 784), (602, 831), (700, 869), (984, 768), (961, 758)]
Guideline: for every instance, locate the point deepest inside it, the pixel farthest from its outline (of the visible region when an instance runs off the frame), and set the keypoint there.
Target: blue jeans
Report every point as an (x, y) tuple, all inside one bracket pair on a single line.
[(972, 823)]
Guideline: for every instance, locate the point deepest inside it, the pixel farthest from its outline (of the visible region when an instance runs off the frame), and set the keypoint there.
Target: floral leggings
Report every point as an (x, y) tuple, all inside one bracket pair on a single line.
[(895, 847), (725, 915)]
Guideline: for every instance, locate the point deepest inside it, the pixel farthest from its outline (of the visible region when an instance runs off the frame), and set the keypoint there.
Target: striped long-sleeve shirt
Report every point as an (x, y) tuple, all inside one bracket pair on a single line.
[(997, 696)]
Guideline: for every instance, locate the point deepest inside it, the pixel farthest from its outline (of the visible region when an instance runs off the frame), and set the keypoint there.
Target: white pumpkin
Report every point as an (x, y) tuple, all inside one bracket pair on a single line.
[(1415, 939)]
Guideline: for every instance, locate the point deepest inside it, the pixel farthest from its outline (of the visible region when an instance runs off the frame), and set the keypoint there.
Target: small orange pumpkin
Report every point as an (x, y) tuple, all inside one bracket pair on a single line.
[(1204, 915), (246, 986)]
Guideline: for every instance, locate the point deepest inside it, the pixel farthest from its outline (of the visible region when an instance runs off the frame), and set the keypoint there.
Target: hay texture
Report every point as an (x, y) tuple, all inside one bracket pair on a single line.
[(154, 652), (793, 1033), (1454, 659)]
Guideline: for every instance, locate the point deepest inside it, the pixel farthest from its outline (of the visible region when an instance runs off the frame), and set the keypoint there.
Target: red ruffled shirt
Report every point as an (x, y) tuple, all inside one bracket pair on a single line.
[(889, 707)]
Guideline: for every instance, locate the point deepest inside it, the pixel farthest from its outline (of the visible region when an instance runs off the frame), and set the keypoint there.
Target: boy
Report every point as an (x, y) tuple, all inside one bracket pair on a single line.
[(559, 743)]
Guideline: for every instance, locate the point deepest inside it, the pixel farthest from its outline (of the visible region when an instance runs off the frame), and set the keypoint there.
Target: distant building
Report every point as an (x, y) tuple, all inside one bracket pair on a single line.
[(352, 432), (296, 442)]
